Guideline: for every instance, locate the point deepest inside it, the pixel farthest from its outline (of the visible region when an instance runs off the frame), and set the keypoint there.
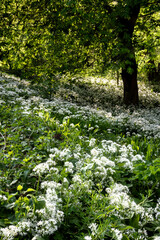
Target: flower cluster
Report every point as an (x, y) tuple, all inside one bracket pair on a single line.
[(87, 177), (44, 220)]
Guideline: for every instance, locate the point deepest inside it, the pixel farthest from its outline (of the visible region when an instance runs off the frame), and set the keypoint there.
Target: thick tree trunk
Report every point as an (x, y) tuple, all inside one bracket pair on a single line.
[(130, 86), (129, 66)]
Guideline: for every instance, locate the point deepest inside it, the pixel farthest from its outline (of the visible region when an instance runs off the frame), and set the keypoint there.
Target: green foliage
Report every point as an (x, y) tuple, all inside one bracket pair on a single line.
[(147, 35), (41, 39), (73, 172)]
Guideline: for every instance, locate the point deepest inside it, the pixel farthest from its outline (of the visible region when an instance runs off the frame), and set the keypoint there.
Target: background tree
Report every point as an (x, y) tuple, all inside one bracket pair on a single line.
[(147, 43)]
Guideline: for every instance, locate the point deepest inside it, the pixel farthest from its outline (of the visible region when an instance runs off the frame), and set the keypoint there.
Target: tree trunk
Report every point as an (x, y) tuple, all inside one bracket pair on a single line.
[(129, 66), (152, 71), (130, 86), (158, 73)]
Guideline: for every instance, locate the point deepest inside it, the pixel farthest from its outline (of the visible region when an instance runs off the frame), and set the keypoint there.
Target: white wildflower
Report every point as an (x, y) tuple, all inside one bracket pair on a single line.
[(127, 163), (107, 162), (69, 167), (41, 168), (137, 157), (36, 237), (54, 152), (93, 228), (24, 226), (3, 198), (117, 234), (50, 162), (10, 232), (92, 142), (77, 179), (65, 154), (87, 238), (112, 148), (94, 152), (156, 237), (54, 170)]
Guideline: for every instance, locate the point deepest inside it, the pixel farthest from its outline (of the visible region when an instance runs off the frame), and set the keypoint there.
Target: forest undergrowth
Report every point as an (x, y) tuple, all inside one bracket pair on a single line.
[(76, 164)]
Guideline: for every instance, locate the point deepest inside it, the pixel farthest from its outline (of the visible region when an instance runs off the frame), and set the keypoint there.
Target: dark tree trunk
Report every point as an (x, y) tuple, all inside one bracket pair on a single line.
[(129, 66), (130, 85), (152, 71), (158, 73)]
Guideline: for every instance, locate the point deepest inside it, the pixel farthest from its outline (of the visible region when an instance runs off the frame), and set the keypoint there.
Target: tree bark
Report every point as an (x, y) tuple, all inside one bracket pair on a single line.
[(130, 85), (152, 71), (129, 67)]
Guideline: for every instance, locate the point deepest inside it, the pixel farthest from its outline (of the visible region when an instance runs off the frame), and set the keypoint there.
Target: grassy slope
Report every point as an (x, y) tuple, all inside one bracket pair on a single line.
[(80, 166)]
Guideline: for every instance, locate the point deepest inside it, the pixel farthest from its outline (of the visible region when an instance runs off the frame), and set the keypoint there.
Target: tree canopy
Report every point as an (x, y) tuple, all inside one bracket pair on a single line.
[(42, 38)]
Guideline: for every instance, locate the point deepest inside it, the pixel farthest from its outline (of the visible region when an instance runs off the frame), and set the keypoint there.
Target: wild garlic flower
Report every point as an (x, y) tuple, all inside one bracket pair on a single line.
[(77, 179), (65, 154), (92, 142), (24, 226), (106, 161), (127, 163), (43, 221), (50, 184), (54, 152), (10, 232), (3, 198), (41, 168), (156, 237), (94, 152), (36, 237), (118, 196), (93, 227), (117, 234), (87, 238), (69, 167)]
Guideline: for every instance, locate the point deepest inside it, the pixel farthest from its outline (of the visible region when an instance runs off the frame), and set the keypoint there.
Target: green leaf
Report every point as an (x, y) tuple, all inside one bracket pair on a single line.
[(134, 222), (26, 172), (2, 224), (13, 182), (10, 206), (125, 237), (12, 195), (40, 204), (40, 238), (30, 190)]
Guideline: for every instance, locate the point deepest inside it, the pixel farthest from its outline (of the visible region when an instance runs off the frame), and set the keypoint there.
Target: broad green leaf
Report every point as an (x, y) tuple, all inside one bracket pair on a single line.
[(134, 222)]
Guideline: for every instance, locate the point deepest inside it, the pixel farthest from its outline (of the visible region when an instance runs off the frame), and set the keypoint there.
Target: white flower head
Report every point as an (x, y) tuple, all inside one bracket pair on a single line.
[(107, 162), (87, 238), (69, 167), (9, 232), (117, 234), (41, 168), (93, 228), (92, 142), (94, 152), (157, 238)]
